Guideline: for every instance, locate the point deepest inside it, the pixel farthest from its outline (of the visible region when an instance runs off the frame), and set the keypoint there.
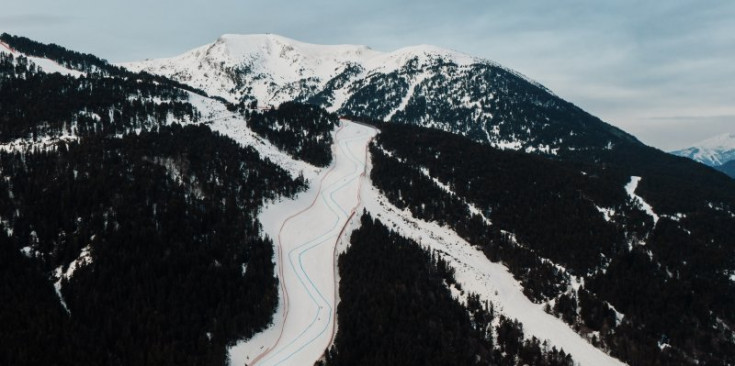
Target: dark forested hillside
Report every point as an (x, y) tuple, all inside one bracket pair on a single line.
[(68, 58), (576, 214), (175, 265), (395, 309), (302, 130), (34, 105), (86, 63), (728, 168), (126, 238), (482, 101)]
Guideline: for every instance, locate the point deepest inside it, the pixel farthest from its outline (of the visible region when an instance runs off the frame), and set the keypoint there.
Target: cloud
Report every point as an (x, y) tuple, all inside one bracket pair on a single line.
[(33, 20)]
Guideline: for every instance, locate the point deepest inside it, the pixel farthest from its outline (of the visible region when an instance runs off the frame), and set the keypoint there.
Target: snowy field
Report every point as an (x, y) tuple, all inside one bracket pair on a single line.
[(305, 231)]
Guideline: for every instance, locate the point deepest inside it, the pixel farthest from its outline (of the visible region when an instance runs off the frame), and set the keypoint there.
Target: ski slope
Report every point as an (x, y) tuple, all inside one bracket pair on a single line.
[(306, 231), (492, 281)]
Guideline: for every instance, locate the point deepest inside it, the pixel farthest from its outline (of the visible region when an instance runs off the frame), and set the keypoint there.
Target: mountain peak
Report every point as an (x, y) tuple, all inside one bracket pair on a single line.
[(274, 68), (713, 151)]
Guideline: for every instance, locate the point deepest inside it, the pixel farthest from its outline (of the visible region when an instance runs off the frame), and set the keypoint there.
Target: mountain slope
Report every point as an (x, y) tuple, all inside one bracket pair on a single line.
[(614, 254), (148, 233), (727, 168), (127, 239), (714, 151), (422, 85)]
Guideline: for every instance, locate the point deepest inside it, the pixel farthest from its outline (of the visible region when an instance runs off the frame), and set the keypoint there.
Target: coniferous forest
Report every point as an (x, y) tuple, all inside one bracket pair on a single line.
[(36, 105), (172, 279), (127, 238), (304, 131), (129, 230), (395, 309), (546, 226)]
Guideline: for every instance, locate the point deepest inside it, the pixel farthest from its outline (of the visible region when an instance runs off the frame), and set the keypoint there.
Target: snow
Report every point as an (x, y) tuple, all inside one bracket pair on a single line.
[(271, 65), (607, 213), (219, 119), (408, 96), (306, 231), (26, 251), (57, 288), (446, 188), (84, 259), (507, 145), (713, 151), (41, 143), (721, 207), (46, 65), (630, 188), (492, 281)]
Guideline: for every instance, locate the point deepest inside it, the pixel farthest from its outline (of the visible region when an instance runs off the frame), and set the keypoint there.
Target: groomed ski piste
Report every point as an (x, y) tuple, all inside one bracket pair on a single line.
[(309, 230), (305, 232)]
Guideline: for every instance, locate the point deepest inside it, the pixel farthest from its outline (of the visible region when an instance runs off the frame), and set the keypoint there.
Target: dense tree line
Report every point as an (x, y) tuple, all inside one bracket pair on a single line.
[(68, 58), (482, 101), (415, 191), (84, 62), (325, 97), (395, 309), (671, 184), (179, 267), (377, 96), (34, 104), (681, 272), (303, 131)]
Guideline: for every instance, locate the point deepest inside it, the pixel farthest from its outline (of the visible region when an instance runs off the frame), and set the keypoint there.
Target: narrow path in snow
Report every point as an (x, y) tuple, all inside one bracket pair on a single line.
[(309, 228)]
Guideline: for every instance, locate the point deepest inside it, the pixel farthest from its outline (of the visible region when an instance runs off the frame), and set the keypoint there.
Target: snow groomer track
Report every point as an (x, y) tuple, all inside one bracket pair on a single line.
[(309, 230)]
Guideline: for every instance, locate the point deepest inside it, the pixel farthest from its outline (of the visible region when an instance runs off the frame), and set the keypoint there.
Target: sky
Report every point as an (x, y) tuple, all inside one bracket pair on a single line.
[(661, 70)]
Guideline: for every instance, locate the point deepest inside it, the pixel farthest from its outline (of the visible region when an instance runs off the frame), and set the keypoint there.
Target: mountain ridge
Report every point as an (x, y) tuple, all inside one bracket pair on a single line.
[(714, 151), (422, 85), (261, 53)]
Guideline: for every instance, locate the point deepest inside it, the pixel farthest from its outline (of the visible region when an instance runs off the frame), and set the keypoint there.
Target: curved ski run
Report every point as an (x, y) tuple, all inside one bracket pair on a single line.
[(306, 255)]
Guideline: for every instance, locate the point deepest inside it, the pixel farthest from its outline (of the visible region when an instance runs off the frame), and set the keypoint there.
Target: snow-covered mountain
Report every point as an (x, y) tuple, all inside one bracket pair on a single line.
[(714, 151), (156, 216), (273, 69), (422, 85)]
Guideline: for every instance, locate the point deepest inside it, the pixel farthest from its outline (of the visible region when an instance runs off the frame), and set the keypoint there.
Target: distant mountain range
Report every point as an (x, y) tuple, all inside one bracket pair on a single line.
[(717, 152)]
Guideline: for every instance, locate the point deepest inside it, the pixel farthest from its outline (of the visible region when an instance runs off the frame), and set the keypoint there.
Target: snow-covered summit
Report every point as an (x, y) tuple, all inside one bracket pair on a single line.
[(714, 151), (421, 85), (273, 68)]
